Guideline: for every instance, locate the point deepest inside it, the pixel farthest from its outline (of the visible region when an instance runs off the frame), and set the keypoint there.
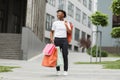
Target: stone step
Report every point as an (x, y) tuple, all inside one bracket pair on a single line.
[(14, 55), (10, 57), (10, 46), (9, 52)]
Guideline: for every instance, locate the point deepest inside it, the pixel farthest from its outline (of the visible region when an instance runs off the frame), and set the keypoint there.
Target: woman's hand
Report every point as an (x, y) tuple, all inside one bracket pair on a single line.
[(51, 40), (66, 23)]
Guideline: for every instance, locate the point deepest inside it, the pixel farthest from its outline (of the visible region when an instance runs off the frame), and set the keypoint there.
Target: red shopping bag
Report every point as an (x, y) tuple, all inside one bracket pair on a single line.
[(49, 48), (69, 35), (50, 60)]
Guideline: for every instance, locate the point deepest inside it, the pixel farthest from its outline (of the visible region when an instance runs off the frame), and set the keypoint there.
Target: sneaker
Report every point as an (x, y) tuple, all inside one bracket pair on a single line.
[(65, 73), (58, 73)]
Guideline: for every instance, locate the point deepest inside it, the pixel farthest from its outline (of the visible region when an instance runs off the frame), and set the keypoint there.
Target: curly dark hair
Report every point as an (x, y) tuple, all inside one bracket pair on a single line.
[(62, 12)]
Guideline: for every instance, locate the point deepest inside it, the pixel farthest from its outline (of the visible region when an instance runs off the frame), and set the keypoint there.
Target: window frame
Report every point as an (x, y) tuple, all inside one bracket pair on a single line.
[(49, 21), (61, 4), (90, 5), (85, 3), (83, 36), (51, 2), (70, 9), (77, 34), (89, 22), (84, 19), (78, 14)]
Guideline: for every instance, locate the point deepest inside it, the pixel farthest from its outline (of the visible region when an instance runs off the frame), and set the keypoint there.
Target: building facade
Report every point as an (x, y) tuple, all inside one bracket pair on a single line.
[(21, 28), (25, 25), (108, 43), (78, 12)]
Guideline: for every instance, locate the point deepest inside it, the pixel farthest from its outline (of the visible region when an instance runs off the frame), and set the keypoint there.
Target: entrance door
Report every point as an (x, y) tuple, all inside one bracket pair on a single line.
[(12, 15), (3, 17)]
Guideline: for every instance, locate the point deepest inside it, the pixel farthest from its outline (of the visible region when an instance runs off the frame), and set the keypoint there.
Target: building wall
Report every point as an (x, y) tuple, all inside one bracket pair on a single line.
[(107, 40), (51, 10), (32, 41), (35, 19)]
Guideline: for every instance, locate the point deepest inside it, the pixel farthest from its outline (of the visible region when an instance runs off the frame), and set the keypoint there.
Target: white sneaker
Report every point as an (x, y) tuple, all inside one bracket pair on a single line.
[(58, 73), (65, 73)]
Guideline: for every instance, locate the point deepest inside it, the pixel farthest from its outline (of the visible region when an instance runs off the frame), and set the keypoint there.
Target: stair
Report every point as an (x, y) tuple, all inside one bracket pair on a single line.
[(10, 46)]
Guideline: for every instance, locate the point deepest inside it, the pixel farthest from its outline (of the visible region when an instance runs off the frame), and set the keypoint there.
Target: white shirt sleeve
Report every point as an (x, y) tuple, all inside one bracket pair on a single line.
[(53, 26)]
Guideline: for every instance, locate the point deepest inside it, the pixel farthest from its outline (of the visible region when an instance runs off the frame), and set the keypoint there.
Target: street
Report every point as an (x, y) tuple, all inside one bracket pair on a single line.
[(32, 70)]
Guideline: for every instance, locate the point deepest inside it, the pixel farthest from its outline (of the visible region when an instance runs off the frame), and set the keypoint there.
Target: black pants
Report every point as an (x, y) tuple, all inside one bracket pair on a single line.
[(63, 44)]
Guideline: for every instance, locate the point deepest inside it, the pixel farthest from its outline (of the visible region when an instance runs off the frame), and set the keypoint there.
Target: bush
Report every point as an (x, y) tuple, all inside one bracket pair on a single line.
[(103, 53), (116, 32)]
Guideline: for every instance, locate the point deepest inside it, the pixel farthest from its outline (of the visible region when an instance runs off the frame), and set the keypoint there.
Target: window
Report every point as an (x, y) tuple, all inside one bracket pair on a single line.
[(49, 21), (77, 32), (70, 9), (16, 23), (1, 19), (90, 5), (78, 14), (116, 21), (61, 4), (79, 0), (88, 36), (84, 19), (83, 35), (89, 22), (52, 2), (85, 3)]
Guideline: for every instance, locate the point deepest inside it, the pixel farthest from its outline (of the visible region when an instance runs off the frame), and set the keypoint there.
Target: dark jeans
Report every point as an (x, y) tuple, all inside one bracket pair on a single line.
[(63, 44)]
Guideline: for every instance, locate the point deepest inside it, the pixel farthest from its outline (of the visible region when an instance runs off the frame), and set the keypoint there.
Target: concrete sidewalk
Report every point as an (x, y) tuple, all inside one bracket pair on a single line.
[(32, 70)]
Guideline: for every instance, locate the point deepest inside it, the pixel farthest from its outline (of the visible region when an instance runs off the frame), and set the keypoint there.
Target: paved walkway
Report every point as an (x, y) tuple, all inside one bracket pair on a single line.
[(32, 70)]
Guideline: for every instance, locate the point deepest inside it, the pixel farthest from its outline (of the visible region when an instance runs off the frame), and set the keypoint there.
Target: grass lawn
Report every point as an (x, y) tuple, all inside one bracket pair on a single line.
[(7, 68), (106, 64)]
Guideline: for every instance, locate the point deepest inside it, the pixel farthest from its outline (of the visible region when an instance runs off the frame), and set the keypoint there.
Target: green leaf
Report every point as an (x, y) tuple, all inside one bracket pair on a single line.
[(99, 18)]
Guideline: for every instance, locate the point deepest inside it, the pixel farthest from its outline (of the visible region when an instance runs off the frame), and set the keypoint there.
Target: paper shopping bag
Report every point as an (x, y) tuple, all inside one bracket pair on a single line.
[(49, 48), (50, 60), (60, 57)]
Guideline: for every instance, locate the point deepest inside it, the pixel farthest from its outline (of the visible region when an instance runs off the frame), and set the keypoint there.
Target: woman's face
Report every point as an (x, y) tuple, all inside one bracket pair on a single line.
[(60, 15)]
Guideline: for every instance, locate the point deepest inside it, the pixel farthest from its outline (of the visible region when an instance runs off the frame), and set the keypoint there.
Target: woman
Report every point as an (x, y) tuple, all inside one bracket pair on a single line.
[(58, 36)]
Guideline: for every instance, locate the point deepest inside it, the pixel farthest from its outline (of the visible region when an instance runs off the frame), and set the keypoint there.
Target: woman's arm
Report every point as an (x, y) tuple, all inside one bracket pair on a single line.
[(51, 36)]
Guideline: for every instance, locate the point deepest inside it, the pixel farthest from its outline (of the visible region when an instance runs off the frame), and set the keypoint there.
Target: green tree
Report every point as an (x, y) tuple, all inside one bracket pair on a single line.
[(116, 7), (99, 19), (116, 11), (116, 32)]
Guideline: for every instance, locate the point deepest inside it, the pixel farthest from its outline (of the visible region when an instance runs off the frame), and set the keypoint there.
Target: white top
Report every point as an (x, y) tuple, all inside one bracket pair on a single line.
[(59, 29)]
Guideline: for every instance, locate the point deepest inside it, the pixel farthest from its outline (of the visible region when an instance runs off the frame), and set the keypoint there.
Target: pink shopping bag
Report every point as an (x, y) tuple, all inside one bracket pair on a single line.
[(49, 48)]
